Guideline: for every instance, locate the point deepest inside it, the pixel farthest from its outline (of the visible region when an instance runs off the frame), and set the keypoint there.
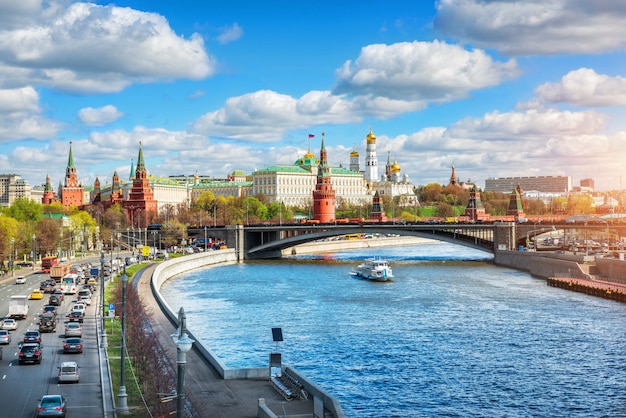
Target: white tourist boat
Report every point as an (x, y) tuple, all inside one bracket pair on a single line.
[(375, 269)]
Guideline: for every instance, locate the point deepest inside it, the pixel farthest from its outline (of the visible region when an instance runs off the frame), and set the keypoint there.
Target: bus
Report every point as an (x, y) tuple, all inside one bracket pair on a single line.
[(69, 284), (48, 262)]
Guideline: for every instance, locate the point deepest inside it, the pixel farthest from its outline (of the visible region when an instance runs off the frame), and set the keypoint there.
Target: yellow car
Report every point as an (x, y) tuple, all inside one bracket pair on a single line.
[(36, 294), (92, 282)]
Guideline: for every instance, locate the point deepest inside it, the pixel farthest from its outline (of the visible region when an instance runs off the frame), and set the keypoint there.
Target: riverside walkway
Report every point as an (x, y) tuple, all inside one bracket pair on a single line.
[(211, 395), (600, 288)]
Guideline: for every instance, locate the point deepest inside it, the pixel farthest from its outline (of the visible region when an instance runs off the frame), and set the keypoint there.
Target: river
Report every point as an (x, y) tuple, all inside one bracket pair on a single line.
[(452, 335)]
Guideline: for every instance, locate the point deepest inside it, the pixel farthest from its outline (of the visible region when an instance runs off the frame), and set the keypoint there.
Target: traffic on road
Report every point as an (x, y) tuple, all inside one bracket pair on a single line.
[(49, 362)]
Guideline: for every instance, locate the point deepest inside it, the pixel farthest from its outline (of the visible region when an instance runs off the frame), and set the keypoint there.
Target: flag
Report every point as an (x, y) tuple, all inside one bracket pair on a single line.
[(311, 136)]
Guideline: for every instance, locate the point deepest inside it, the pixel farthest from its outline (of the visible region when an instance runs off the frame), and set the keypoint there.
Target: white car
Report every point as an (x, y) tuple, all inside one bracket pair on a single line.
[(79, 307), (8, 324), (68, 372), (20, 280)]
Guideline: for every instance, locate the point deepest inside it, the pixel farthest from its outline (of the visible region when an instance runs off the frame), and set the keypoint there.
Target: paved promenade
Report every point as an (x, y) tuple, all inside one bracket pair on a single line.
[(213, 396)]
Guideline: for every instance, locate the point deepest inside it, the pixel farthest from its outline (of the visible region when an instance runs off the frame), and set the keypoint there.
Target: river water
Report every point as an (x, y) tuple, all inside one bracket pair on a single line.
[(452, 335)]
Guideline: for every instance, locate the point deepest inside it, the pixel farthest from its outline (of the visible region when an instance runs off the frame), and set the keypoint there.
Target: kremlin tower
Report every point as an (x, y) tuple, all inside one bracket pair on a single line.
[(72, 190), (140, 206), (324, 194), (48, 192)]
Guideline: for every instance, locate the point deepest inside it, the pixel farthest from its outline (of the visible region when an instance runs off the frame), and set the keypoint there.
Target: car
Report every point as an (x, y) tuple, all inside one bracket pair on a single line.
[(54, 300), (73, 329), (73, 345), (68, 372), (5, 337), (50, 309), (92, 282), (32, 337), (79, 306), (51, 406), (84, 296), (30, 353), (50, 288), (76, 316), (8, 324), (20, 280), (59, 294), (36, 294), (25, 264)]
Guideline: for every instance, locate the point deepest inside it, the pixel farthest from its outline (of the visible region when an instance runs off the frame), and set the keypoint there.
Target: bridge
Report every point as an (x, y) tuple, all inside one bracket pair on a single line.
[(268, 241)]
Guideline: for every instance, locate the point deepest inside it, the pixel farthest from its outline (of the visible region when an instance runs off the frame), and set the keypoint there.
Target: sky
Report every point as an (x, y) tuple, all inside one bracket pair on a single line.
[(495, 88)]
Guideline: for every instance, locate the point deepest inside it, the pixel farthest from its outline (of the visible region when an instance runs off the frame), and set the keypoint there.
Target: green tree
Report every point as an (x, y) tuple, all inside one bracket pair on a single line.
[(24, 210), (172, 233), (48, 233)]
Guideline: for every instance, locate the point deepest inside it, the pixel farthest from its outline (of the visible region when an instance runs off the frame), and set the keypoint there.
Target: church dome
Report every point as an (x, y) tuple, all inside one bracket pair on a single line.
[(354, 153), (395, 167), (309, 154), (371, 138)]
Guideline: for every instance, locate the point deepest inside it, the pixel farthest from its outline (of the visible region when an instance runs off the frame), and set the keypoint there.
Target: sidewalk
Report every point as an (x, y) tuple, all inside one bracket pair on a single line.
[(213, 396)]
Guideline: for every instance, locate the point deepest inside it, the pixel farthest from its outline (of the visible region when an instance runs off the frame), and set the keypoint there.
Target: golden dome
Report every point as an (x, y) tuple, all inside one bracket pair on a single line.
[(309, 154), (371, 138), (395, 167), (354, 153)]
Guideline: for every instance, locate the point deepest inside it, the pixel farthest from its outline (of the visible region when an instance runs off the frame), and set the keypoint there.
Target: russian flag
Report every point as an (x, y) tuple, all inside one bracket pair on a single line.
[(311, 136)]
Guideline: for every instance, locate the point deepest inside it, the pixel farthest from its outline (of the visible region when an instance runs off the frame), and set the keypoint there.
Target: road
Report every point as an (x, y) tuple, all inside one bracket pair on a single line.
[(21, 386)]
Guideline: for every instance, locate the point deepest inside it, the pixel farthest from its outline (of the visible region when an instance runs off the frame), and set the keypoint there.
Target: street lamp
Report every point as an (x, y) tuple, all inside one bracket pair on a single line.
[(12, 256), (122, 397), (247, 223), (183, 345), (214, 214), (102, 286), (34, 250)]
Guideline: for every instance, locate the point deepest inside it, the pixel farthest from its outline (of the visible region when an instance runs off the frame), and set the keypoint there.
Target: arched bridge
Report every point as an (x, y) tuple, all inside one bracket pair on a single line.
[(268, 241)]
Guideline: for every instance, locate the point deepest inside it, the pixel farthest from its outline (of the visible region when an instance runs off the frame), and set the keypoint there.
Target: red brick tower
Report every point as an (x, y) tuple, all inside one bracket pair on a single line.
[(515, 203), (324, 194), (140, 206), (116, 190), (72, 190), (48, 192), (475, 209), (453, 179)]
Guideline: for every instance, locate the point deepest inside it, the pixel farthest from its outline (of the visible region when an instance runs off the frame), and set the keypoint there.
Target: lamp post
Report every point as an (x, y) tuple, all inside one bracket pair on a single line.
[(34, 250), (205, 246), (183, 345), (214, 214), (247, 223), (12, 256), (122, 397)]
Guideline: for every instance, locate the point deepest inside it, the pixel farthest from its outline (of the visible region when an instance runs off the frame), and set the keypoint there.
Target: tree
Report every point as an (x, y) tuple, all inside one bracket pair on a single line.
[(579, 204), (24, 210), (430, 193), (48, 233), (172, 233)]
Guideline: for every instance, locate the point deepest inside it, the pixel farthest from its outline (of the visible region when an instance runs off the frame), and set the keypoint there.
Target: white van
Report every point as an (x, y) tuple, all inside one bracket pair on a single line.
[(68, 372)]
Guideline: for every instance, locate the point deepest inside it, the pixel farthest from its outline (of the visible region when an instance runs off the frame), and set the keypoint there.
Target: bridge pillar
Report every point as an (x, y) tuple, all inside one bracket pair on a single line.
[(504, 237), (236, 239)]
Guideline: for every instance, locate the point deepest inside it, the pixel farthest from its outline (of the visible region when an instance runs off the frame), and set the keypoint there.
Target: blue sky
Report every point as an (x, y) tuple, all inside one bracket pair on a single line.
[(496, 88)]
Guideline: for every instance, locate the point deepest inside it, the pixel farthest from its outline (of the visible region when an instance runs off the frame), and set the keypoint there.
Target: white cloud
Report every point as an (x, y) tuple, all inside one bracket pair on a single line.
[(585, 87), (230, 34), (535, 27), (20, 116), (25, 99), (421, 71), (100, 116), (89, 48)]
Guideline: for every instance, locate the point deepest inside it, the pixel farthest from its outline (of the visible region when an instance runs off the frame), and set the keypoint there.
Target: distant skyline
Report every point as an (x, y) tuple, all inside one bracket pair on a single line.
[(495, 88)]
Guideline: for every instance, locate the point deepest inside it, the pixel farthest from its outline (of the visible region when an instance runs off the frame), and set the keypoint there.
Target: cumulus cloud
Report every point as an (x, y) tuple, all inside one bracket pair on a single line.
[(535, 27), (385, 81), (585, 87), (87, 48), (421, 71), (266, 116), (100, 116), (20, 116), (230, 34)]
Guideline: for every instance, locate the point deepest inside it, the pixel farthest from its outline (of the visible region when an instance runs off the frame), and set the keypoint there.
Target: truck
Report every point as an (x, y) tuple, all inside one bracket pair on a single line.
[(18, 307), (58, 271)]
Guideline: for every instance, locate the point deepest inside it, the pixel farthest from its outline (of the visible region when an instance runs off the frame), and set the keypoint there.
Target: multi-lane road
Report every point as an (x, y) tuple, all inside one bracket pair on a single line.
[(21, 386)]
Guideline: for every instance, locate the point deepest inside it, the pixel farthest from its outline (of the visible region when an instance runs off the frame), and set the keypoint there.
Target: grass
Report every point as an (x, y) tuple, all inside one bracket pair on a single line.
[(114, 339)]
